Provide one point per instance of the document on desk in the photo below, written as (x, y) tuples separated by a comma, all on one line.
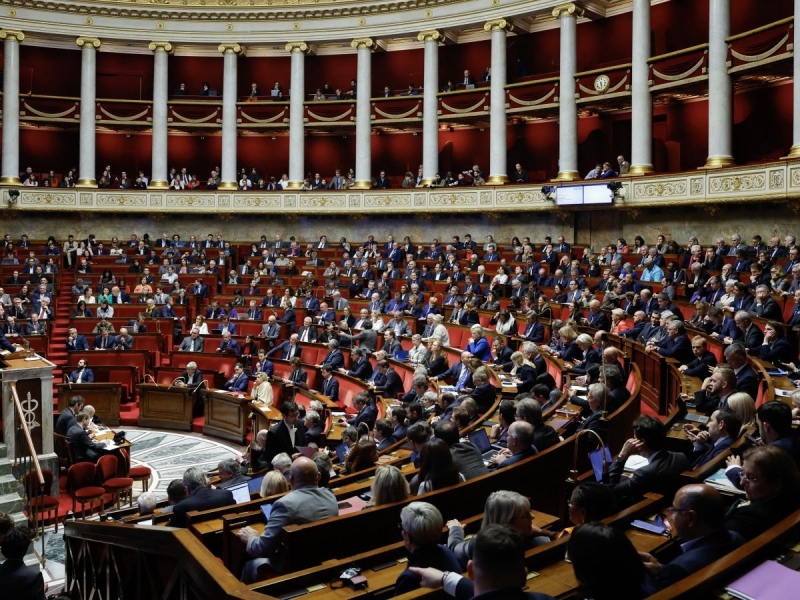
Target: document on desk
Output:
[(634, 463), (720, 481), (768, 581)]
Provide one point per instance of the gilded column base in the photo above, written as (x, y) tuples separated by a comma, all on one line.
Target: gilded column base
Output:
[(10, 181), (158, 185), (718, 162), (86, 183), (362, 185), (639, 170), (227, 185), (794, 154), (294, 185), (567, 176), (497, 180), (426, 182)]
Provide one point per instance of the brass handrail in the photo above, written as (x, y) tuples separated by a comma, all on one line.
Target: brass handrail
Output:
[(766, 27), (680, 52), (24, 426)]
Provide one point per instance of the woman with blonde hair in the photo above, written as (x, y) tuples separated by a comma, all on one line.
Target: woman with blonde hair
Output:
[(200, 323), (262, 390), (418, 350), (389, 486), (435, 359), (744, 407), (523, 372), (618, 322), (274, 483)]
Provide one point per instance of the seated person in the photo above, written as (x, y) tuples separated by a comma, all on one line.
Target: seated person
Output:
[(238, 381), (228, 345), (230, 474), (721, 431), (19, 580), (199, 497), (520, 446), (83, 448)]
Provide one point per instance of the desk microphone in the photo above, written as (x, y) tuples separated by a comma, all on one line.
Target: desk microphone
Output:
[(146, 375), (67, 381), (202, 383), (174, 381)]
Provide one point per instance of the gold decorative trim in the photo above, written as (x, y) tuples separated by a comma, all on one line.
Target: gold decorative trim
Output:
[(228, 185), (196, 121), (12, 34), (567, 176), (331, 119), (160, 47), (88, 42), (570, 9), (231, 49), (298, 47), (610, 90), (10, 180), (158, 185), (718, 162), (680, 76), (763, 55), (498, 25), (766, 27), (86, 183), (497, 180), (50, 115), (263, 121), (481, 102), (362, 185), (430, 35), (640, 170), (794, 153), (360, 43), (681, 52), (400, 116), (124, 119)]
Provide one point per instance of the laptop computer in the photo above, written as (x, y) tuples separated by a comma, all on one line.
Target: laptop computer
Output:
[(685, 415), (274, 93), (401, 355), (481, 442), (241, 492)]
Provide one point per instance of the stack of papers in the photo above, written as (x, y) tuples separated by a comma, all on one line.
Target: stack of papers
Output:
[(768, 581), (635, 462), (722, 483)]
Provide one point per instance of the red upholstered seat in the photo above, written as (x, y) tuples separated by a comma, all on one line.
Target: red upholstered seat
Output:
[(136, 472), (142, 474), (39, 501), (43, 502), (118, 483), (118, 486), (92, 492), (80, 481)]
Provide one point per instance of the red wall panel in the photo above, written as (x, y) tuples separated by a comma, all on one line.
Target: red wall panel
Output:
[(44, 150), (539, 54), (127, 76), (762, 128), (51, 72), (269, 157), (129, 153), (335, 70), (193, 71), (265, 71), (396, 153), (454, 59), (604, 42), (397, 70)]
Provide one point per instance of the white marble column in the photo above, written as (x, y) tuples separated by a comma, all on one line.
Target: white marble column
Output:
[(567, 107), (86, 158), (365, 46), (430, 106), (498, 126), (297, 96), (158, 174), (720, 89), (10, 163), (795, 151), (230, 56), (641, 102)]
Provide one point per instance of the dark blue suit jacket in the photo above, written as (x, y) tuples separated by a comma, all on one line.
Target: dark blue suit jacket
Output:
[(237, 385), (335, 359), (598, 320), (202, 499), (80, 343), (362, 369), (747, 381), (88, 376), (330, 388), (679, 348)]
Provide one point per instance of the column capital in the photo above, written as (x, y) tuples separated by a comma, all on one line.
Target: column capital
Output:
[(88, 42), (11, 34), (431, 35), (301, 47), (160, 47), (360, 43), (570, 9), (229, 48), (498, 25)]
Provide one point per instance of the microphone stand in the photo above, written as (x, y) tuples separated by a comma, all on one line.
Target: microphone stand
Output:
[(573, 473), (174, 381), (146, 375)]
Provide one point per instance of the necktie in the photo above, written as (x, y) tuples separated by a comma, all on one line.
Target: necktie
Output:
[(104, 342), (305, 335), (462, 378)]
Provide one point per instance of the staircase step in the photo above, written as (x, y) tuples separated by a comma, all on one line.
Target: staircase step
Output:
[(8, 483)]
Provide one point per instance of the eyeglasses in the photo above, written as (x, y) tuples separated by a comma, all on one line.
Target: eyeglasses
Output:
[(745, 477)]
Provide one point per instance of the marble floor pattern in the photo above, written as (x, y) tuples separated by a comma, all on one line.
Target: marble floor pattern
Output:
[(168, 454)]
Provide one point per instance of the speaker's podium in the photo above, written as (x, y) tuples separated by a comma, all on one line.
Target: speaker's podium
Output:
[(226, 415), (32, 379), (104, 397), (165, 407)]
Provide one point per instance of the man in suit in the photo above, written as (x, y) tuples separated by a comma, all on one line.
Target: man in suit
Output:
[(721, 431), (698, 519), (123, 341), (199, 497), (534, 331), (462, 377), (19, 580), (75, 341), (191, 376), (228, 345), (288, 349), (398, 325), (662, 472), (330, 385), (334, 359), (325, 314), (67, 417), (746, 378), (287, 435), (484, 392), (367, 412), (750, 335), (362, 368), (308, 332), (253, 312), (716, 390), (382, 432), (392, 384), (676, 345), (230, 474), (10, 328), (466, 456), (193, 343), (104, 341), (501, 354), (83, 374), (306, 503), (597, 318), (519, 446), (764, 306), (296, 375), (390, 345), (83, 448), (704, 360), (35, 326), (310, 303), (119, 296), (238, 381)]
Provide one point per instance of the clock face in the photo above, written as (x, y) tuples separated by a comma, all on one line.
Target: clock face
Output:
[(601, 83)]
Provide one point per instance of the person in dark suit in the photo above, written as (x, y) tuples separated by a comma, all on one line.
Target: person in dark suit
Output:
[(500, 352), (362, 368), (466, 456), (596, 319), (662, 472), (19, 580), (462, 377), (398, 421), (520, 446), (67, 417), (382, 432), (722, 430), (330, 385), (228, 344), (698, 520), (484, 393), (238, 381), (676, 345), (704, 360), (775, 349), (748, 333), (764, 306), (597, 397), (392, 383), (83, 374), (200, 497), (83, 448), (286, 435), (123, 341), (367, 412), (334, 359), (313, 424), (746, 378), (297, 375), (288, 349), (76, 341)]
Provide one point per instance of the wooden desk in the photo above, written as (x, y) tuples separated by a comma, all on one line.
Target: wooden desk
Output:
[(165, 407), (104, 397), (123, 465), (226, 415), (266, 416)]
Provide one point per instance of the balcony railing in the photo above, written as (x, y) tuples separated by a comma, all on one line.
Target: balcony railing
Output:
[(761, 46), (604, 84), (682, 67)]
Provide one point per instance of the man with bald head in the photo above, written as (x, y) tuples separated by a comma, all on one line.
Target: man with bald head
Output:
[(698, 519), (306, 503)]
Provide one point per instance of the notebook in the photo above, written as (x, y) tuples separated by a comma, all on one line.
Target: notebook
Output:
[(768, 581), (596, 458), (240, 492), (720, 481), (342, 451), (350, 505), (254, 485)]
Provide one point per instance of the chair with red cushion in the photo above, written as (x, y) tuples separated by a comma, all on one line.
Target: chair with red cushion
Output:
[(117, 486), (80, 479), (39, 501), (142, 474)]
